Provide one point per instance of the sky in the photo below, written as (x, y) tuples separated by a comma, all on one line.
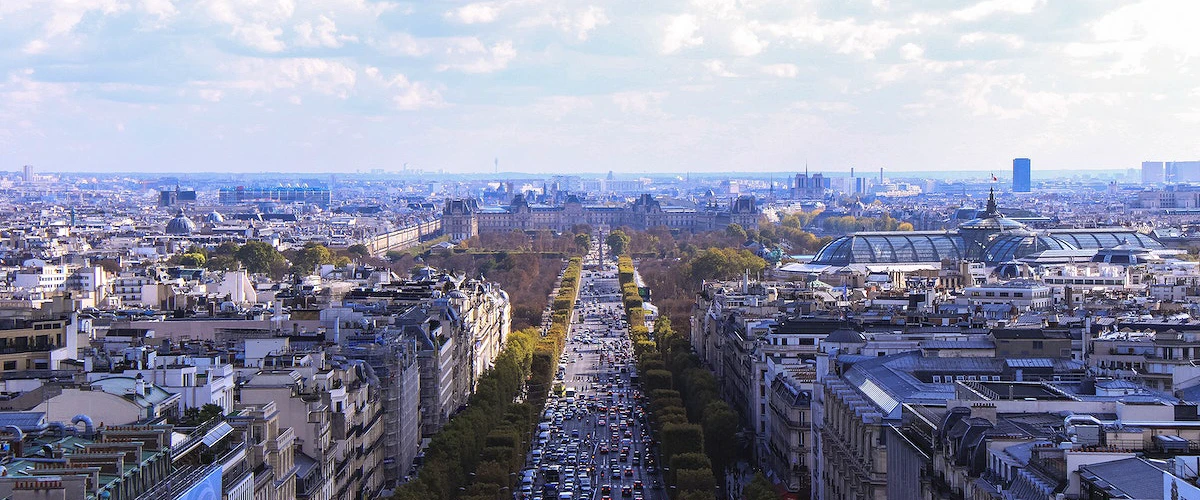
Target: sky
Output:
[(566, 86)]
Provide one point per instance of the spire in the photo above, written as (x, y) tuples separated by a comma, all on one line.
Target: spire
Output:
[(991, 205)]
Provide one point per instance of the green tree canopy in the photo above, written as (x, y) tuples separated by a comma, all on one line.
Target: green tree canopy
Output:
[(192, 260), (359, 251), (617, 242), (735, 230), (312, 255), (260, 257), (583, 242), (724, 263)]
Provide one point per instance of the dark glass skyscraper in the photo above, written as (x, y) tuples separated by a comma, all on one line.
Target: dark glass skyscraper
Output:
[(1021, 175)]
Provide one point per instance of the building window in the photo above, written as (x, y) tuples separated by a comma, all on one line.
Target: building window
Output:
[(10, 365)]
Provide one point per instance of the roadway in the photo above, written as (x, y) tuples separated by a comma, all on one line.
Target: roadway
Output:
[(587, 433)]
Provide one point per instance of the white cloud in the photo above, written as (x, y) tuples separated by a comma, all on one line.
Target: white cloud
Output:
[(403, 44), (976, 38), (680, 33), (639, 102), (323, 33), (845, 36), (322, 76), (717, 68), (472, 56), (210, 95), (911, 51), (475, 13), (745, 42), (783, 70), (259, 37), (403, 94), (580, 24), (989, 8), (161, 11)]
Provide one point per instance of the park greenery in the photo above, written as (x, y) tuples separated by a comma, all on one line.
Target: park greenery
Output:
[(524, 270)]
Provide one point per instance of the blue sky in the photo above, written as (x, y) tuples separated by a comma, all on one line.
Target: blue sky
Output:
[(571, 86)]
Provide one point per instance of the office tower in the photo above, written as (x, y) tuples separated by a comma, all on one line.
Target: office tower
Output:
[(28, 173), (1021, 175), (1152, 173)]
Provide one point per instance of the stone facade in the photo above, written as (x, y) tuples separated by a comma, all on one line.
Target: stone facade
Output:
[(464, 218)]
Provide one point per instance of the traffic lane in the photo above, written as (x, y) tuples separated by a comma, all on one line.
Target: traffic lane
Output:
[(589, 355)]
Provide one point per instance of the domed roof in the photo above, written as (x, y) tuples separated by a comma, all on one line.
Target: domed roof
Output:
[(845, 335), (215, 217), (180, 225), (991, 219)]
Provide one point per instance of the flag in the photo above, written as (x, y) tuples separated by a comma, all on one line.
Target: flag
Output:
[(994, 179)]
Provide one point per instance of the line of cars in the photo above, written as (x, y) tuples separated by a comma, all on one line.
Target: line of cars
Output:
[(593, 441)]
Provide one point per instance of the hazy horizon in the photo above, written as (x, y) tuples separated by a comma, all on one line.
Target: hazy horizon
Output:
[(700, 86)]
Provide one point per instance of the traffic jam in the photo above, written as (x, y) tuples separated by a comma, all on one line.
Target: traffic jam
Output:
[(593, 440)]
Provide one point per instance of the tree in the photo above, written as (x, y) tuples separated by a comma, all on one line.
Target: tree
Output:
[(195, 416), (223, 258), (260, 257), (656, 379), (583, 242), (735, 230), (617, 242), (760, 489), (681, 438), (312, 255), (720, 426), (192, 260), (112, 266), (359, 251)]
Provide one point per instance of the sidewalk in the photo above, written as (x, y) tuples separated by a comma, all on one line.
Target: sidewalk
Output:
[(737, 478)]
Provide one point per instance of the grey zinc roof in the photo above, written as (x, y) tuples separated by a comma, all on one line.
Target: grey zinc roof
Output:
[(1134, 477)]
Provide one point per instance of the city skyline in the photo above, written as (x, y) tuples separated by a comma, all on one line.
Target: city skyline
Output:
[(702, 86)]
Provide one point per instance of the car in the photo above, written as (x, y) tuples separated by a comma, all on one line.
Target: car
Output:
[(606, 490), (629, 472), (626, 492), (637, 485)]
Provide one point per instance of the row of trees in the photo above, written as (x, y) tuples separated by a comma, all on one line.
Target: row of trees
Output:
[(475, 455), (696, 429), (261, 257), (850, 223)]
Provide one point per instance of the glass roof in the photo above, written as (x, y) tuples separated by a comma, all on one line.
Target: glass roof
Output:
[(900, 247), (1012, 247), (891, 248), (1106, 238)]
